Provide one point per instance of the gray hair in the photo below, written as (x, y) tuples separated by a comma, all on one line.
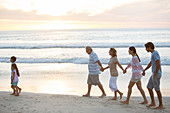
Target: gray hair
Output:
[(88, 48)]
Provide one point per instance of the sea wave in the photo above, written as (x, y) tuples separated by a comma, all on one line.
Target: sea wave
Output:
[(78, 60), (75, 45)]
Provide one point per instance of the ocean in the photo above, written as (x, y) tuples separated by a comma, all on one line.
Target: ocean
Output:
[(47, 55)]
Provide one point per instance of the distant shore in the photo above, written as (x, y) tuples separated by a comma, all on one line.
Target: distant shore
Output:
[(53, 103)]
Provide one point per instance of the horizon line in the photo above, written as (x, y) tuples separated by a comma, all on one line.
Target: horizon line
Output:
[(86, 29)]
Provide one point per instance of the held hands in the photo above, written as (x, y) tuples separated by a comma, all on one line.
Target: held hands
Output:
[(143, 73), (124, 71), (102, 69)]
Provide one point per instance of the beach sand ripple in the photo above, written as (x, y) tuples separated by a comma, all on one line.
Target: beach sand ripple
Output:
[(51, 103)]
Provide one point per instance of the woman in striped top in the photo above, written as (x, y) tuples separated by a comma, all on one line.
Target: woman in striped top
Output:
[(136, 75)]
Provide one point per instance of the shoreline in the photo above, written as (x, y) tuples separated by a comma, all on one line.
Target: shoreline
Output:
[(50, 103), (71, 79), (93, 95)]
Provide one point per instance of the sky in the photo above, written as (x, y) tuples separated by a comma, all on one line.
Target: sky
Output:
[(83, 14)]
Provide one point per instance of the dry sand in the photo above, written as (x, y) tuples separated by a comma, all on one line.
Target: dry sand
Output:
[(53, 103)]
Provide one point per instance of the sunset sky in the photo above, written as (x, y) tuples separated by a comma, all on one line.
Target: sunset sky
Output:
[(83, 14)]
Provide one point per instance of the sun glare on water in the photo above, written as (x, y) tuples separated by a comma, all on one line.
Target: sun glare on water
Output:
[(54, 87)]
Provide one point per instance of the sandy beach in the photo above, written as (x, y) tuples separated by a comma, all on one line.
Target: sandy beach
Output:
[(53, 103), (54, 68)]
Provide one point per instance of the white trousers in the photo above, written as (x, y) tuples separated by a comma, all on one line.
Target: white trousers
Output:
[(113, 83)]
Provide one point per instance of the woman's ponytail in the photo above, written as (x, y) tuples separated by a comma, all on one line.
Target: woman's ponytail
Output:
[(132, 48), (138, 57)]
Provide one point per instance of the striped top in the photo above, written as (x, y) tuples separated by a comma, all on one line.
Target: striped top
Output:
[(93, 66), (136, 67)]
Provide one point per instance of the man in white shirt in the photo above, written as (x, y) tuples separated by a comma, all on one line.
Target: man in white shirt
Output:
[(94, 67)]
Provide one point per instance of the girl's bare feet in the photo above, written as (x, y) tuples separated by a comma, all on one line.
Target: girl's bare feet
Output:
[(19, 90), (151, 105), (12, 94), (121, 94), (144, 102), (103, 95), (86, 95), (114, 98), (124, 102), (159, 107), (17, 95)]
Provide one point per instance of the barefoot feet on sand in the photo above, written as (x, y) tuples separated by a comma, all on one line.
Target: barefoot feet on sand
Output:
[(151, 105), (19, 90), (17, 95), (12, 94), (121, 94), (144, 102), (159, 107), (114, 98), (103, 95), (86, 95), (124, 102)]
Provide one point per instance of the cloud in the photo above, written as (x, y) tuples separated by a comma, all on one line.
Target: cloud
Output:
[(153, 10), (150, 11), (21, 15), (61, 7), (147, 13)]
